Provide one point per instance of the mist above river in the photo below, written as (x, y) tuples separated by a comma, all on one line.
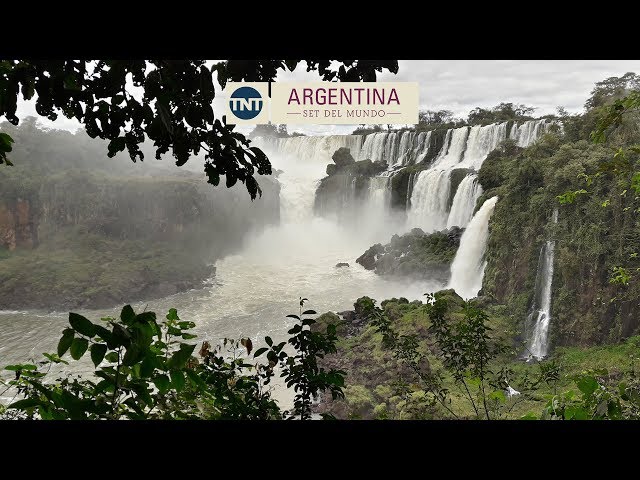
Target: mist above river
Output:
[(252, 291)]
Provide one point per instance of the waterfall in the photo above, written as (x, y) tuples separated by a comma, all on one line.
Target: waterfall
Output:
[(540, 313), (429, 200), (467, 269), (379, 193), (412, 178), (451, 154), (303, 161), (422, 147), (429, 191), (373, 147), (464, 201), (405, 148), (390, 148), (482, 140), (396, 149), (464, 147), (527, 133)]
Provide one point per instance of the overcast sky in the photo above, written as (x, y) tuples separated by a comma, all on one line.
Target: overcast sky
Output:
[(461, 85)]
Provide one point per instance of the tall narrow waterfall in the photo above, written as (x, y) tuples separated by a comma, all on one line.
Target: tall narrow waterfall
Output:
[(429, 200), (467, 269), (379, 193), (539, 316), (464, 201), (451, 153), (482, 140)]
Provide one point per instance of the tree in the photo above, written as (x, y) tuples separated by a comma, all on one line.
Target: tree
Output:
[(500, 113), (432, 117), (282, 130), (175, 112), (612, 88)]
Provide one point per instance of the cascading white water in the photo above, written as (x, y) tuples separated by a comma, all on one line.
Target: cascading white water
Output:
[(467, 269), (540, 314), (464, 201), (373, 147), (422, 147), (430, 199), (527, 133), (396, 149), (482, 140), (379, 196), (303, 161), (453, 154), (465, 147), (412, 179), (391, 148)]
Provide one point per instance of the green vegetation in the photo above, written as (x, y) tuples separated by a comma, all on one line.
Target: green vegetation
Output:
[(594, 300), (431, 361), (414, 254), (76, 268), (145, 369), (78, 229)]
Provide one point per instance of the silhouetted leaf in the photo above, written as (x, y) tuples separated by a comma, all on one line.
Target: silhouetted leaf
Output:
[(162, 383), (127, 315), (111, 357), (177, 380), (98, 351), (82, 325), (78, 347), (181, 356), (26, 403), (146, 317), (65, 341), (259, 352)]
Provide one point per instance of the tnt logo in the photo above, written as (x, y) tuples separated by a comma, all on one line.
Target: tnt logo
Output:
[(246, 103)]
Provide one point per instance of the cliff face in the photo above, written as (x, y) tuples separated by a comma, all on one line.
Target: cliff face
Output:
[(133, 208), (594, 235), (93, 242), (80, 230), (18, 225)]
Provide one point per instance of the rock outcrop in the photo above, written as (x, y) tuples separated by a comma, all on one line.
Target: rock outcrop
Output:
[(18, 225), (346, 182), (415, 254)]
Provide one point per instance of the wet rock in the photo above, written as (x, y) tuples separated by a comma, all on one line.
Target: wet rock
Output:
[(454, 234), (368, 259), (414, 255), (342, 264), (342, 157)]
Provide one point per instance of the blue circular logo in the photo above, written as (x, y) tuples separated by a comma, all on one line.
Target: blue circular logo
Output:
[(246, 103)]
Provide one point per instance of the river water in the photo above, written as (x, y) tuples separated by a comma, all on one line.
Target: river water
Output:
[(252, 291)]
